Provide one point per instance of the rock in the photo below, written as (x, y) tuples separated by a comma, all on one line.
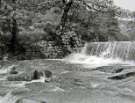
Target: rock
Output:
[(48, 75), (29, 101), (20, 77), (36, 75), (122, 76), (110, 69), (13, 71), (106, 69), (118, 70)]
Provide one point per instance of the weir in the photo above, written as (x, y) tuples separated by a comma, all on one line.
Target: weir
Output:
[(124, 50), (96, 54)]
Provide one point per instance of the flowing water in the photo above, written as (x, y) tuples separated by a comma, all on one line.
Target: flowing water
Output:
[(102, 72), (98, 54)]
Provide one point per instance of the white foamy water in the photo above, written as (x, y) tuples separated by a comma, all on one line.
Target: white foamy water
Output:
[(103, 54), (6, 70), (3, 71), (14, 95), (94, 55), (23, 83), (9, 98), (95, 61)]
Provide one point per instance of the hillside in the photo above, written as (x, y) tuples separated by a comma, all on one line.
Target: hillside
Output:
[(52, 29)]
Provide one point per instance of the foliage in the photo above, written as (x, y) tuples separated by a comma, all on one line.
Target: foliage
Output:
[(61, 26)]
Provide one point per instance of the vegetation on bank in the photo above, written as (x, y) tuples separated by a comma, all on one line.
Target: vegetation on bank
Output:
[(54, 28)]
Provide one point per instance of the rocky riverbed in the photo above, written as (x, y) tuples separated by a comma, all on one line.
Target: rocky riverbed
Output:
[(70, 83)]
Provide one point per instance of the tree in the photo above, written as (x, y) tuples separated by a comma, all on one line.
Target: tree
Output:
[(14, 32), (13, 28), (67, 6), (0, 3), (9, 26), (63, 24)]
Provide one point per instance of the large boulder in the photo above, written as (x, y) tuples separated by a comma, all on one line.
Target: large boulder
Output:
[(111, 69), (25, 76), (13, 71), (47, 75), (29, 76), (36, 75)]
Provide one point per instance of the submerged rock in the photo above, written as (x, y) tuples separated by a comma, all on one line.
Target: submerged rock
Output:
[(34, 75), (122, 76), (110, 69), (29, 101), (118, 70)]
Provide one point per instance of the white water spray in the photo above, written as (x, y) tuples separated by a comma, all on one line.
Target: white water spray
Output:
[(98, 54), (9, 98), (6, 70)]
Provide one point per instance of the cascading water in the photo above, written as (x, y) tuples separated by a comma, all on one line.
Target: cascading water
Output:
[(97, 54), (122, 50)]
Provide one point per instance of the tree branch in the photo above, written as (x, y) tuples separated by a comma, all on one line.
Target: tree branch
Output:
[(65, 14), (96, 4)]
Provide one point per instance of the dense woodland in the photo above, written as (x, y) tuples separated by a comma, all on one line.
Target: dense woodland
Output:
[(32, 29)]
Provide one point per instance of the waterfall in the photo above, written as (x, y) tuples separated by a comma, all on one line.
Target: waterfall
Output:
[(124, 50), (97, 54)]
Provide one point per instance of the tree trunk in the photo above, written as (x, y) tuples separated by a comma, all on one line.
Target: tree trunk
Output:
[(0, 3), (14, 31), (65, 14), (67, 6)]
